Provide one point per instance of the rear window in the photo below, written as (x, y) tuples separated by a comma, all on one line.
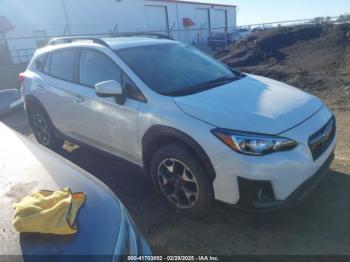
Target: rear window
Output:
[(39, 62), (46, 67), (63, 64)]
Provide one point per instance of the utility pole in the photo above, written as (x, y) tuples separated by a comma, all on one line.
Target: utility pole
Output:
[(66, 17)]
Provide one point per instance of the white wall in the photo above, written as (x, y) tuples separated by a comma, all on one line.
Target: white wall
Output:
[(99, 17), (27, 16), (93, 17), (177, 11)]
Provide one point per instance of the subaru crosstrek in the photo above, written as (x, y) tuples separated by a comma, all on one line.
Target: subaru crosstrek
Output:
[(200, 129)]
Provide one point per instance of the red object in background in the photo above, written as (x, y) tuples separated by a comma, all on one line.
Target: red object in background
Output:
[(5, 24), (187, 21), (21, 78)]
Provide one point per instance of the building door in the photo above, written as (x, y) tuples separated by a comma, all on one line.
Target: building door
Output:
[(202, 21), (157, 19), (219, 20)]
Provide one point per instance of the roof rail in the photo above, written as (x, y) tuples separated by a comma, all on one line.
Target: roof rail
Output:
[(71, 39), (145, 34), (64, 40)]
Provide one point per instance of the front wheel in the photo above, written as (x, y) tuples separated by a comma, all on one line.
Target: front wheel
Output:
[(181, 180)]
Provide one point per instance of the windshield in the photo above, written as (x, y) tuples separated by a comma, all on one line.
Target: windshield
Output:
[(176, 69)]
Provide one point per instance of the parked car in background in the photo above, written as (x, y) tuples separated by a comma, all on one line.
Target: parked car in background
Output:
[(200, 129), (219, 41), (244, 32), (261, 28), (104, 225), (223, 39)]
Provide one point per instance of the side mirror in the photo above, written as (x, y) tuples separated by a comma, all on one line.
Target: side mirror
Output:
[(110, 88)]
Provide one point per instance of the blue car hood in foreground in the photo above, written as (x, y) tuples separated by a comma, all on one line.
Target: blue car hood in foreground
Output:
[(105, 227)]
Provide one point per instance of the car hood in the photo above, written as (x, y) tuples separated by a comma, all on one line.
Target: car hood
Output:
[(104, 225), (251, 104)]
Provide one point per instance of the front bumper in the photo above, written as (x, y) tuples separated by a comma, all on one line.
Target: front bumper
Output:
[(284, 172), (249, 191)]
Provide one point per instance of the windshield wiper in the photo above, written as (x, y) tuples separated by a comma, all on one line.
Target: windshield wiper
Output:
[(204, 86)]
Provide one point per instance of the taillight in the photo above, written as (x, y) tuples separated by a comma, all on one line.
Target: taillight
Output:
[(21, 78)]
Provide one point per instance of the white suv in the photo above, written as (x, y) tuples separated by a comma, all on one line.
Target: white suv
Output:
[(202, 131)]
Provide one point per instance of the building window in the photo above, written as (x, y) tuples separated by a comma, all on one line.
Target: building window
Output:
[(40, 38)]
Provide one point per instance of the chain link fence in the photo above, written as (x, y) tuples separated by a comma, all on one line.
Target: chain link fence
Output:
[(10, 53)]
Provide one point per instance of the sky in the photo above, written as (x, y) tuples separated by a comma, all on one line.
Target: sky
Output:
[(262, 11)]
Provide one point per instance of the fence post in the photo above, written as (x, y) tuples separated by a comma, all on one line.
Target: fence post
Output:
[(6, 52), (67, 18)]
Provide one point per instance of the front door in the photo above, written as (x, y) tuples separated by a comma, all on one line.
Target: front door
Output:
[(101, 121)]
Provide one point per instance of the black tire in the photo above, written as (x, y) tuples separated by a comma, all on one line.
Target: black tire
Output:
[(44, 133), (200, 200)]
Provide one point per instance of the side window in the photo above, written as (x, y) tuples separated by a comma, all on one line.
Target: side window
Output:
[(63, 64), (96, 67), (131, 91), (46, 67), (39, 62)]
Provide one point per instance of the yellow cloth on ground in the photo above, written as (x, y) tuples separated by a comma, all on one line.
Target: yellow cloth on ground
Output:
[(53, 212)]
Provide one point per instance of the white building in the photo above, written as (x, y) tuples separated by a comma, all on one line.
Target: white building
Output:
[(35, 21)]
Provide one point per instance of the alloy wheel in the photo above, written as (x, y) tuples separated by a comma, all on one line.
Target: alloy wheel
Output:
[(41, 129), (178, 183)]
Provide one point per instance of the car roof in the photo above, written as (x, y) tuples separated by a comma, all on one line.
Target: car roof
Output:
[(126, 42), (115, 43)]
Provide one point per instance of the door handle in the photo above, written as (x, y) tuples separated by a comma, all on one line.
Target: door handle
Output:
[(79, 99)]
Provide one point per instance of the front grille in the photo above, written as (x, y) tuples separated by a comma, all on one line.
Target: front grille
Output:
[(320, 141)]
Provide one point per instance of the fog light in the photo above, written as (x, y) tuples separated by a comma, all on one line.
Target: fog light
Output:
[(264, 192), (255, 194)]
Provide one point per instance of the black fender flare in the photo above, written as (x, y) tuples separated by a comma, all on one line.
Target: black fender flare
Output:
[(159, 135), (31, 101)]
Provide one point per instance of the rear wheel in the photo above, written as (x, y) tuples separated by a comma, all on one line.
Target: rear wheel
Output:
[(43, 130), (181, 180)]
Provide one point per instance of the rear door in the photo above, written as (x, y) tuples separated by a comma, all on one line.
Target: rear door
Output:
[(101, 121), (53, 88)]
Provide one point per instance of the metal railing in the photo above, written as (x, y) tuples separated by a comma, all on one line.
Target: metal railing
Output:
[(16, 56), (23, 55), (316, 20)]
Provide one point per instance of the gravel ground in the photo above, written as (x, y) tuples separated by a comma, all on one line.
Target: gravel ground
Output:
[(314, 58), (318, 225)]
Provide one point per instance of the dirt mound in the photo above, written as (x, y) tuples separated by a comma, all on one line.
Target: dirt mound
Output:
[(315, 58)]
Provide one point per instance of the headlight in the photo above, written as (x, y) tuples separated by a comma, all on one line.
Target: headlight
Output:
[(253, 144)]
